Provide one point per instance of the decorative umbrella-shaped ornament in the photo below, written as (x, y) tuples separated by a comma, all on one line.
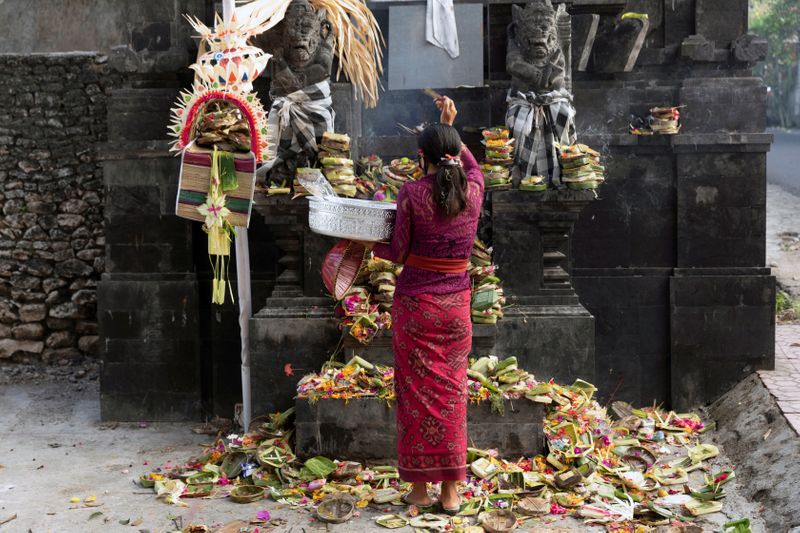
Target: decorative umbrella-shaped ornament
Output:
[(220, 112), (230, 63)]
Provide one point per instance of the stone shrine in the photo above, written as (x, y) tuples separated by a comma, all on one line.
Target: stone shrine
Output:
[(631, 300)]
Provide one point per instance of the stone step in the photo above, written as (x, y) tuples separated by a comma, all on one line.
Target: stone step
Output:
[(363, 429), (555, 274), (553, 257)]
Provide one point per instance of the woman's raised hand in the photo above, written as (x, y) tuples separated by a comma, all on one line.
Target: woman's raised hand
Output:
[(448, 109)]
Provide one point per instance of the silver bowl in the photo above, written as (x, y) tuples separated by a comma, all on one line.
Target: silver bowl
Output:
[(357, 220)]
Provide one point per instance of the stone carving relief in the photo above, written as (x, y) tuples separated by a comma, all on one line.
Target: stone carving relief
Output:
[(535, 58), (302, 48)]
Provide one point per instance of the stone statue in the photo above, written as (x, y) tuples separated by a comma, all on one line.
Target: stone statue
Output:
[(535, 59), (540, 114), (303, 54), (299, 72)]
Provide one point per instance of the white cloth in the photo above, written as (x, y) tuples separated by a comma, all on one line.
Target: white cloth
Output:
[(440, 26)]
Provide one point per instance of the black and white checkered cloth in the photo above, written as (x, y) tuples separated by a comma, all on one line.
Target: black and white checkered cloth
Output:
[(296, 121), (538, 122)]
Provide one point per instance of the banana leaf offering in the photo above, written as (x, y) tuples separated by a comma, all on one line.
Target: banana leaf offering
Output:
[(198, 490), (593, 468), (247, 493), (316, 468), (488, 298), (273, 455), (391, 521), (232, 464)]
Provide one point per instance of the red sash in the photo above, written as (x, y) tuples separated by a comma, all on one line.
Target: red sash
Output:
[(438, 264)]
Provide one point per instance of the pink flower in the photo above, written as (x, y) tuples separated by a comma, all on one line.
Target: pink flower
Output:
[(223, 481), (264, 515)]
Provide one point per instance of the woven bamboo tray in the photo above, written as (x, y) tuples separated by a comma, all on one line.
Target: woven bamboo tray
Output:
[(194, 181)]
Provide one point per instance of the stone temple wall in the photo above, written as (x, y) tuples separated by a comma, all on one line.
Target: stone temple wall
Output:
[(669, 260), (52, 235)]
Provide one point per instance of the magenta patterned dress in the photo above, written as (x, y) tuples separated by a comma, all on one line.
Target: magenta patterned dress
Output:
[(432, 330)]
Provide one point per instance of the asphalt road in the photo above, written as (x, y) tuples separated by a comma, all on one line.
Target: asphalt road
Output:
[(783, 160)]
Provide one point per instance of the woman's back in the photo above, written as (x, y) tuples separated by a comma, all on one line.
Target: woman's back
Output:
[(423, 229)]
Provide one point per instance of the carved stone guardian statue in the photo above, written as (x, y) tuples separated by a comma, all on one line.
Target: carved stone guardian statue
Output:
[(300, 69), (540, 113)]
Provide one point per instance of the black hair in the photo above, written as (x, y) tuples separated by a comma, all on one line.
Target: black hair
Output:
[(450, 184)]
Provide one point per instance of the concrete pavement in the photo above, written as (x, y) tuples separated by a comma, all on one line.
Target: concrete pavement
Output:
[(783, 160), (783, 210)]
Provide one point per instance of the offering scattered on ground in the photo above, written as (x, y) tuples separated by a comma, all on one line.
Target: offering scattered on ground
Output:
[(632, 472)]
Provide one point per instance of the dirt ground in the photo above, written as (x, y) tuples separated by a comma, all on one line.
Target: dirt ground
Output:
[(53, 448)]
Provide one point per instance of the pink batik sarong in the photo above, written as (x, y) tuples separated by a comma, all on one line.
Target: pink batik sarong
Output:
[(432, 338)]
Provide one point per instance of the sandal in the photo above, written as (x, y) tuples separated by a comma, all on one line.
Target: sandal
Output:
[(452, 511), (406, 501)]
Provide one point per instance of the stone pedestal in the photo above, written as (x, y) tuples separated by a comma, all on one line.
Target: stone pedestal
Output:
[(364, 429), (545, 325)]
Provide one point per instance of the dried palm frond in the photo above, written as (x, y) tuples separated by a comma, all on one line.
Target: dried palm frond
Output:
[(261, 15)]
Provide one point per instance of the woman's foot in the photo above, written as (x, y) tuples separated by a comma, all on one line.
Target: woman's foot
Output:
[(418, 495), (449, 498)]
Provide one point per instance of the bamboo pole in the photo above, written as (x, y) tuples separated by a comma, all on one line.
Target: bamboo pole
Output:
[(242, 285)]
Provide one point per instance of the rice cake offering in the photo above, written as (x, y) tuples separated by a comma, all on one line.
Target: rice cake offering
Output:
[(581, 168)]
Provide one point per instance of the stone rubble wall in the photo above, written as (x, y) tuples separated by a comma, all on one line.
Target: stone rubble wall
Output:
[(51, 232)]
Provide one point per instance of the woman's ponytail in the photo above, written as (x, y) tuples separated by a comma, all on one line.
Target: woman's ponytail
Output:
[(441, 145), (450, 189)]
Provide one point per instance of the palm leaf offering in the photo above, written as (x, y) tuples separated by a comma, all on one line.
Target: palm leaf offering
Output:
[(232, 464), (391, 521), (594, 468), (487, 294), (317, 468), (247, 493)]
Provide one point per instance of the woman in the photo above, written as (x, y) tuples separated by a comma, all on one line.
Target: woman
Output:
[(437, 218)]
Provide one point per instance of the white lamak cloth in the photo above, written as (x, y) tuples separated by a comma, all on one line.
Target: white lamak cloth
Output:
[(440, 26)]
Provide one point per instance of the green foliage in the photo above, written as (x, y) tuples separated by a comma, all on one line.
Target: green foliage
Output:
[(787, 309), (779, 22)]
